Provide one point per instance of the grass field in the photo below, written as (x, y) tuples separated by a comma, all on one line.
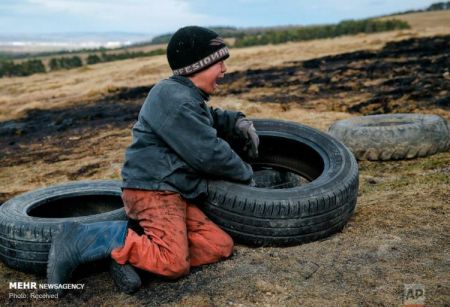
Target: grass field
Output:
[(399, 233)]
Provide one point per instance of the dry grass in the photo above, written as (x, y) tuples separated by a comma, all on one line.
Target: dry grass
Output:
[(399, 233), (83, 85), (426, 22)]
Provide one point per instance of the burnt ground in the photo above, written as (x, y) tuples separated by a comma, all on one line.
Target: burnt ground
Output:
[(398, 234), (409, 75), (404, 76)]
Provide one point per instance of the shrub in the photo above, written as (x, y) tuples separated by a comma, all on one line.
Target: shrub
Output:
[(65, 63), (345, 27), (108, 57), (93, 59), (25, 68)]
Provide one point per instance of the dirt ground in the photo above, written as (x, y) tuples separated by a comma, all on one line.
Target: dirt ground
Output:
[(399, 233)]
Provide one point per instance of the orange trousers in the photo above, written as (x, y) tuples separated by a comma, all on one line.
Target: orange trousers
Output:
[(177, 234)]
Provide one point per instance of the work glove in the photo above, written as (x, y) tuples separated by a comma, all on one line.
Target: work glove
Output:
[(252, 182), (247, 129)]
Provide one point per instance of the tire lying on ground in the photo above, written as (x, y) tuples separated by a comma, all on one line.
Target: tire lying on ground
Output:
[(393, 136), (319, 204), (307, 184), (276, 179), (28, 221)]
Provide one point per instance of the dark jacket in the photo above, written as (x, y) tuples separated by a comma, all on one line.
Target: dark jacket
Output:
[(175, 143)]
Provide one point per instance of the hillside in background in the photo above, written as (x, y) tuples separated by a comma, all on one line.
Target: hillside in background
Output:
[(25, 64), (256, 33), (92, 81), (34, 45), (35, 65), (438, 6), (75, 124)]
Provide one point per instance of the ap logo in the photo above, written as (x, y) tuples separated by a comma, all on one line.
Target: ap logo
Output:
[(414, 295)]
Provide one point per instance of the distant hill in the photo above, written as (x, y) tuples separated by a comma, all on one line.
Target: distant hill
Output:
[(238, 33), (9, 68), (224, 31), (47, 42), (23, 64), (20, 47), (439, 6)]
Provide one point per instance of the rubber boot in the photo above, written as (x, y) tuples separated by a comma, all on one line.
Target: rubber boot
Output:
[(125, 277), (79, 243)]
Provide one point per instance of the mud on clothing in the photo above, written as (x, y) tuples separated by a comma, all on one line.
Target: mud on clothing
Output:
[(175, 143), (177, 235)]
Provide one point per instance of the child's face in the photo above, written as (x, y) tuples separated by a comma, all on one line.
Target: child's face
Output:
[(207, 79)]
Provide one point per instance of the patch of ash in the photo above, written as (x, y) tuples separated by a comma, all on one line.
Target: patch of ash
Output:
[(58, 130), (403, 76)]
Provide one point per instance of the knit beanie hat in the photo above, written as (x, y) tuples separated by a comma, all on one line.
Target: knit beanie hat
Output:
[(193, 48)]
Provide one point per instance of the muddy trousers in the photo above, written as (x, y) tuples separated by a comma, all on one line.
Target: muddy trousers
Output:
[(177, 235)]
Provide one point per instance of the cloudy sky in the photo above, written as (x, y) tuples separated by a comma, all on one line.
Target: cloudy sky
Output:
[(156, 17)]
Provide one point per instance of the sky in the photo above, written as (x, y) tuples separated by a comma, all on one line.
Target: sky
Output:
[(165, 16)]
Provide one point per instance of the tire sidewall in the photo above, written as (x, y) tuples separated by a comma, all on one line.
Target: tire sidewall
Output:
[(18, 207), (337, 158)]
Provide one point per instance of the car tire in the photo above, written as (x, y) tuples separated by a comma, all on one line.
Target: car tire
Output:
[(29, 221), (305, 212), (393, 136)]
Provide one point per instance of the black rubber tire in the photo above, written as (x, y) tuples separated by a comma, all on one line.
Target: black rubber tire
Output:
[(29, 221), (277, 217), (273, 179), (258, 216), (393, 136)]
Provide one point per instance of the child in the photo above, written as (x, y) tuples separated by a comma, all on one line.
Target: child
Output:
[(177, 146)]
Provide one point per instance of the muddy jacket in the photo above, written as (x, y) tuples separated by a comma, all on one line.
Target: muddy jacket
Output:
[(175, 145)]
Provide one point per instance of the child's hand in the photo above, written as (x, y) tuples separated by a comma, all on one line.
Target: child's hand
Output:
[(247, 129), (251, 183)]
